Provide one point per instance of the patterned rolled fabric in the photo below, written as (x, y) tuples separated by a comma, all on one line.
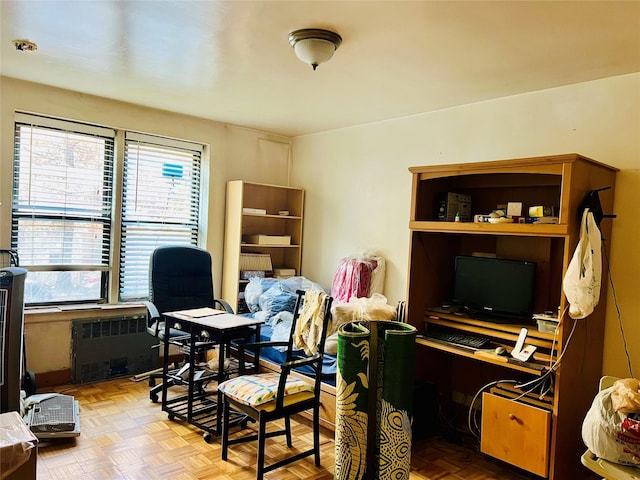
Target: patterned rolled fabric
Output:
[(374, 404)]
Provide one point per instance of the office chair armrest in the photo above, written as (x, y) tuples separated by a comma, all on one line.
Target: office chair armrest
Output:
[(223, 304), (153, 320), (151, 308)]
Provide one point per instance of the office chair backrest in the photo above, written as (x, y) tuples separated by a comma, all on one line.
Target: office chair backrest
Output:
[(180, 278)]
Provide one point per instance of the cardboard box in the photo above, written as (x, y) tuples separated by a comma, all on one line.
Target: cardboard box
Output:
[(255, 261), (449, 204), (284, 272), (18, 448), (541, 211), (254, 211), (268, 239)]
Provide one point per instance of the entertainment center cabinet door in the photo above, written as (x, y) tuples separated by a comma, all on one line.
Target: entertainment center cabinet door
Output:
[(516, 433)]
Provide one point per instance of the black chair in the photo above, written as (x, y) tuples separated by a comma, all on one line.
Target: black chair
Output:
[(180, 278), (401, 311), (271, 396)]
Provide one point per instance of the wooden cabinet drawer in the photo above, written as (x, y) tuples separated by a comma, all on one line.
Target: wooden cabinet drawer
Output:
[(516, 433)]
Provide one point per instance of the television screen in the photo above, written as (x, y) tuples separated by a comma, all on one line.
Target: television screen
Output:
[(495, 287)]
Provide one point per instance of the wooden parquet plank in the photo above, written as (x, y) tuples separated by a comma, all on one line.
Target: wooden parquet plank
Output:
[(124, 436)]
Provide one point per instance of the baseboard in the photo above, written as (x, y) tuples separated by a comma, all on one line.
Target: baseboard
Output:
[(52, 379), (45, 380)]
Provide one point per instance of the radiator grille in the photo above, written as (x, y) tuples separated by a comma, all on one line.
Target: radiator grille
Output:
[(108, 347)]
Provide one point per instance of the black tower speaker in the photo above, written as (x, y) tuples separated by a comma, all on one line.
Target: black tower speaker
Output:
[(11, 335)]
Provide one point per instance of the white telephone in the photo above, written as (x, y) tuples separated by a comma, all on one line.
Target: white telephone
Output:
[(521, 351)]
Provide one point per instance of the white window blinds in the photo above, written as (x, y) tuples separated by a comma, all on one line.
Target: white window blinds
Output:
[(61, 207), (160, 204)]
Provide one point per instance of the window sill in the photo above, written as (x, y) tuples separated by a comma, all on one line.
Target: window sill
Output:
[(73, 312)]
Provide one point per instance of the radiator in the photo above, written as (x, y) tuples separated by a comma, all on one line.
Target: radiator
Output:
[(107, 347)]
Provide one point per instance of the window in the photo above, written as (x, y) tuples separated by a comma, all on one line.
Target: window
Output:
[(63, 218), (61, 210), (160, 204)]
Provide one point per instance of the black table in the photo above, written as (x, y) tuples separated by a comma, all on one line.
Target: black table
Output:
[(198, 406)]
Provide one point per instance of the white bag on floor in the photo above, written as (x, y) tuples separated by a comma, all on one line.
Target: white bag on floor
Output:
[(581, 283), (611, 435)]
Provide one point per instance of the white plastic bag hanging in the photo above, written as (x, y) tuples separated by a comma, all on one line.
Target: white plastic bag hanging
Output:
[(581, 283)]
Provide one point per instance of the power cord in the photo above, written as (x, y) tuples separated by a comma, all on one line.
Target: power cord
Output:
[(543, 384), (619, 315)]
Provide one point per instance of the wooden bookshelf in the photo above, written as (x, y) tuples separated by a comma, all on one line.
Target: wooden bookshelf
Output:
[(283, 209)]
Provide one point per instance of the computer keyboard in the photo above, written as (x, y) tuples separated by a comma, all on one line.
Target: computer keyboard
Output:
[(447, 335)]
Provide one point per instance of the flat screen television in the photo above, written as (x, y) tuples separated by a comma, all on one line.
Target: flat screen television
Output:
[(494, 288)]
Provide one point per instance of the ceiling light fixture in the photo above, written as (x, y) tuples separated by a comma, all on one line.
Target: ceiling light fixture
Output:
[(25, 46), (313, 45)]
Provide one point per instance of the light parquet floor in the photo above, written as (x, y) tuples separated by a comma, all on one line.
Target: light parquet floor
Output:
[(124, 436)]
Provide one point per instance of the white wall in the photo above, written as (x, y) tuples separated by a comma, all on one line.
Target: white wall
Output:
[(232, 153), (358, 186)]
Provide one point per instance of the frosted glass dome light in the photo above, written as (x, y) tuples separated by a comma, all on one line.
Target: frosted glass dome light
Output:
[(314, 46)]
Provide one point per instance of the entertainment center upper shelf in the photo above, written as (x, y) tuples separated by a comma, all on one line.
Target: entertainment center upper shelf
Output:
[(539, 181), (550, 230)]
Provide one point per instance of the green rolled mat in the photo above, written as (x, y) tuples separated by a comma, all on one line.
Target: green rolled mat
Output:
[(373, 430), (352, 401), (394, 403)]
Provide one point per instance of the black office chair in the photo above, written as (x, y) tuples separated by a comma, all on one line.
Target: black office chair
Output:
[(180, 278), (271, 396)]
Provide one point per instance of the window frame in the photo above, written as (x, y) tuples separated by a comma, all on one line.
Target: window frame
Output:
[(111, 287), (71, 212), (147, 143)]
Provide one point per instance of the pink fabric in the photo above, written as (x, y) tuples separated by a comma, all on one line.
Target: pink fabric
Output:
[(352, 279)]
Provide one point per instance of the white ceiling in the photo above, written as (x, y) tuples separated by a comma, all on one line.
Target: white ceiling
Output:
[(230, 60)]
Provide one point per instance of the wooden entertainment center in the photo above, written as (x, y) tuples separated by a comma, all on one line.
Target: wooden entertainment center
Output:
[(535, 432)]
